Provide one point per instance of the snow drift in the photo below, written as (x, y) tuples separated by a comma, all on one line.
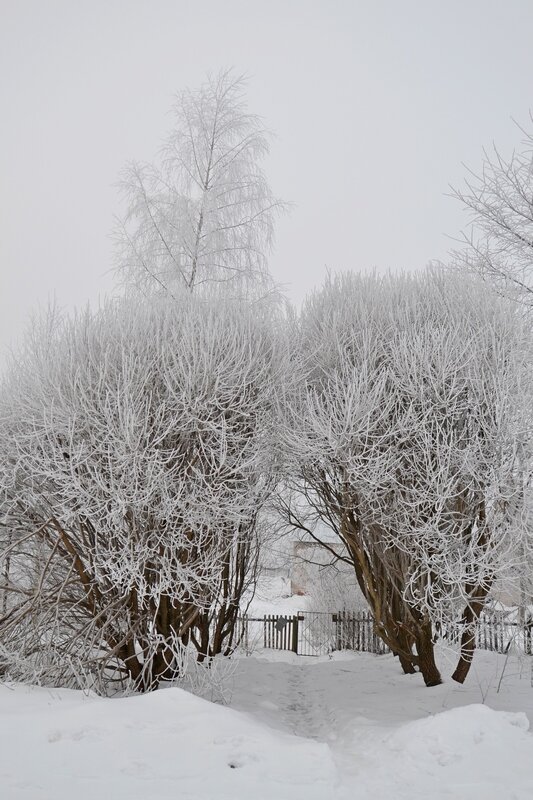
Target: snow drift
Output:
[(172, 744)]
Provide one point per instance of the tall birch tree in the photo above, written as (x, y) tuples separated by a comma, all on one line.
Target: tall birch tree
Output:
[(203, 211)]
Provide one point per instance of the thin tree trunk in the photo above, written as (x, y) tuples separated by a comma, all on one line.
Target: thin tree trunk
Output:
[(426, 655), (406, 663), (468, 640)]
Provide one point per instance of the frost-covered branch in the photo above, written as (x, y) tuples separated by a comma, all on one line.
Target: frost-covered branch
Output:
[(499, 200), (408, 438), (204, 211), (138, 447)]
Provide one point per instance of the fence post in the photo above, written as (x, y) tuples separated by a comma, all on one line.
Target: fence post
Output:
[(245, 634), (294, 646), (527, 635), (336, 619)]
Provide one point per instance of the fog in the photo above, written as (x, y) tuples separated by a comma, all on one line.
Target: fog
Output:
[(375, 107)]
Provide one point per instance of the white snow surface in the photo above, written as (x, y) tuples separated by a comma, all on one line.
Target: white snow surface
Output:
[(296, 728), (272, 596)]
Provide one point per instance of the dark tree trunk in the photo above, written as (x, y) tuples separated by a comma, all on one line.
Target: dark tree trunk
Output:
[(406, 664), (478, 595), (132, 664), (468, 641), (405, 641), (426, 655)]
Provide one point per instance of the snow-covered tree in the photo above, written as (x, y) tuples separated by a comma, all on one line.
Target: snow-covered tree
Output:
[(406, 436), (204, 211), (138, 447), (499, 200)]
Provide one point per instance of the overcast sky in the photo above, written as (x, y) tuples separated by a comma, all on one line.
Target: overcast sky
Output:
[(375, 105)]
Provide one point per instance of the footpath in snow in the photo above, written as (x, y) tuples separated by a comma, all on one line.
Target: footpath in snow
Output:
[(295, 729)]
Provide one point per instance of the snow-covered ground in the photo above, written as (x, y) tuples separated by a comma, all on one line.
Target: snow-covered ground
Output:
[(273, 596), (296, 728)]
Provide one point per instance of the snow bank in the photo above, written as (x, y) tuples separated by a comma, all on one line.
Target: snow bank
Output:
[(465, 753), (342, 729), (390, 736), (169, 744)]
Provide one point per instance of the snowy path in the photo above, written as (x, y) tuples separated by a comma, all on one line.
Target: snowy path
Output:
[(307, 713), (352, 728), (390, 736)]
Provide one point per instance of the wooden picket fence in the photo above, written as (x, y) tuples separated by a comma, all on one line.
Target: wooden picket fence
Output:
[(315, 633), (271, 631), (281, 633), (357, 632), (498, 634), (311, 633)]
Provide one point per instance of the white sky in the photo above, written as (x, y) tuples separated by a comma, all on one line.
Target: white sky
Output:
[(375, 105)]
